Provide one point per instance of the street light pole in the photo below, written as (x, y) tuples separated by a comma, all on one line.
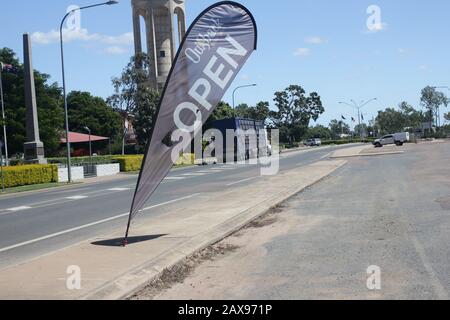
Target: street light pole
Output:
[(66, 113), (3, 115), (240, 87), (90, 143), (1, 160), (359, 107)]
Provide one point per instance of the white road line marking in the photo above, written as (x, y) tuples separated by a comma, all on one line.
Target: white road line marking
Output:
[(193, 174), (240, 181), (175, 178), (326, 156), (76, 197), (19, 208), (119, 189), (91, 224), (170, 202)]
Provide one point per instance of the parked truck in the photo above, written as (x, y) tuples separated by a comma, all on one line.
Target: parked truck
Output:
[(397, 138)]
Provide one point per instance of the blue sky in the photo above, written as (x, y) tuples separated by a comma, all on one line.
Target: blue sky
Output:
[(322, 45)]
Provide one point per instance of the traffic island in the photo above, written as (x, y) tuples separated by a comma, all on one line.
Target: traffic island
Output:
[(366, 151)]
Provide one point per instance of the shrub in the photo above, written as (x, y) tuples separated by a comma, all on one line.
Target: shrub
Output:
[(29, 174), (129, 163), (186, 159), (79, 161), (134, 163)]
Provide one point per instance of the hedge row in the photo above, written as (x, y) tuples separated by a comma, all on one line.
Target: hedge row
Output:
[(134, 163), (129, 163), (186, 159), (29, 174), (79, 161)]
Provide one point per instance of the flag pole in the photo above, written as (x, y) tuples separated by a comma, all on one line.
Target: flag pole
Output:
[(125, 239)]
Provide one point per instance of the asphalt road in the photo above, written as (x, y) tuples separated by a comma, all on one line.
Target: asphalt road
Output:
[(389, 212), (38, 223)]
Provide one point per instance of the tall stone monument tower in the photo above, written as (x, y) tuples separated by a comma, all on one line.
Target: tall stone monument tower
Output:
[(165, 27), (33, 148)]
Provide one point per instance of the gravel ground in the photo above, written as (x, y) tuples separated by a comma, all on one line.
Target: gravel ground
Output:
[(390, 211)]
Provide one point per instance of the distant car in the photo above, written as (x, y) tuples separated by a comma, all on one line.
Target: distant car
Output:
[(313, 143), (397, 138)]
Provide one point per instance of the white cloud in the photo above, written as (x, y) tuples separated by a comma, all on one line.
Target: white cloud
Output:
[(315, 40), (424, 67), (116, 50), (302, 52), (82, 35), (245, 77)]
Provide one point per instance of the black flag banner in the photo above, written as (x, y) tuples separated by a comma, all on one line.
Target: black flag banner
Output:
[(214, 50)]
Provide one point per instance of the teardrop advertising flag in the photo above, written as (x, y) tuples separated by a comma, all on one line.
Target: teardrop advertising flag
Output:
[(213, 51)]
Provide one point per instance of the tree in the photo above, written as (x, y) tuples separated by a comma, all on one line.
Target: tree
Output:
[(129, 87), (361, 130), (414, 118), (406, 118), (145, 116), (86, 110), (391, 121), (49, 106), (338, 128), (295, 111), (432, 100), (319, 131), (133, 96), (259, 112), (447, 116), (243, 111)]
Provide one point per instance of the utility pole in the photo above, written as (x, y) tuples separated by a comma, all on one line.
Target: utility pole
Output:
[(240, 87), (66, 112), (1, 161), (359, 107), (3, 115)]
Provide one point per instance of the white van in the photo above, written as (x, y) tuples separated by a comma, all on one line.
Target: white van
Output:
[(397, 138)]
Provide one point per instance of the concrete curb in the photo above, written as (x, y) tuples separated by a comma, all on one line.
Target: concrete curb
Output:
[(135, 280)]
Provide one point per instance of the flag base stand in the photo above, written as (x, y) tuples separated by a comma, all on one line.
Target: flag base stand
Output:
[(125, 239)]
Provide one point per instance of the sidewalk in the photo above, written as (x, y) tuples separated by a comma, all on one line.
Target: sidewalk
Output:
[(109, 271)]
